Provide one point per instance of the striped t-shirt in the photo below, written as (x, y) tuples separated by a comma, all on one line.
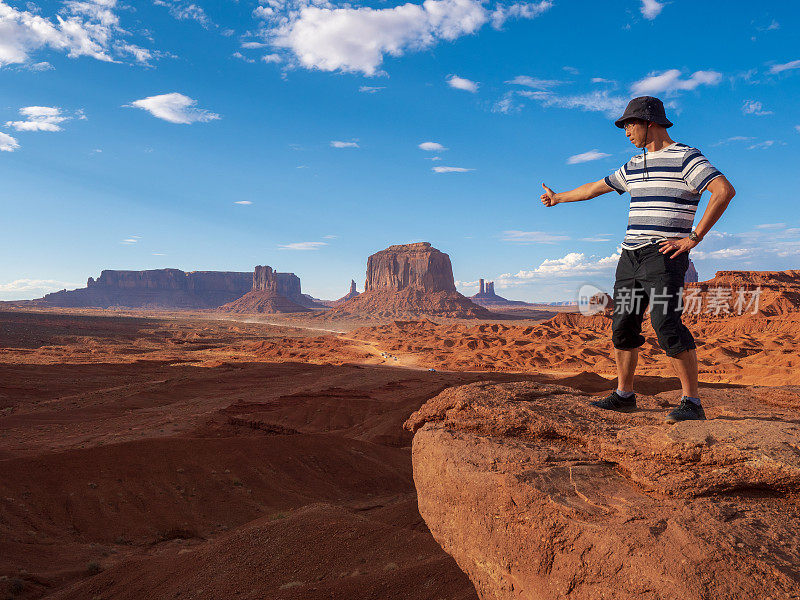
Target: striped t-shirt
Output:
[(665, 190)]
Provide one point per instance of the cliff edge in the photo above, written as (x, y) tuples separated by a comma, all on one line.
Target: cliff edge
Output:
[(538, 496)]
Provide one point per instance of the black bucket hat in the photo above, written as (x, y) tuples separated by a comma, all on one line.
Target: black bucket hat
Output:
[(645, 108)]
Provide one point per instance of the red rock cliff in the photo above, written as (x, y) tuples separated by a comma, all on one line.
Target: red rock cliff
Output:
[(156, 288), (410, 266)]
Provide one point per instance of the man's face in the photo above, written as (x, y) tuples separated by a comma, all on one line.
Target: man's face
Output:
[(636, 131)]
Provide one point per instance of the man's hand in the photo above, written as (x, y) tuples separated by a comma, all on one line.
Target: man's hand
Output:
[(549, 197), (679, 246)]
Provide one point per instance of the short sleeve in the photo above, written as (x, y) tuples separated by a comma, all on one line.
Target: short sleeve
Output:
[(698, 172), (617, 181)]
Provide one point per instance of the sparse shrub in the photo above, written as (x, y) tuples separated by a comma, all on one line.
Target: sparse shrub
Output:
[(93, 568)]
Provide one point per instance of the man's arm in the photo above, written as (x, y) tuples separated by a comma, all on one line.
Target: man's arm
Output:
[(721, 194), (584, 192)]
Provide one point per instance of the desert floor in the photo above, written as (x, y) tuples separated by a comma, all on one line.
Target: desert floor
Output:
[(170, 455)]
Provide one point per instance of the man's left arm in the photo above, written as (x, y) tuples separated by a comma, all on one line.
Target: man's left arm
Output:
[(721, 194)]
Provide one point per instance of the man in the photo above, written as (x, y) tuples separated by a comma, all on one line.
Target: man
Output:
[(665, 183)]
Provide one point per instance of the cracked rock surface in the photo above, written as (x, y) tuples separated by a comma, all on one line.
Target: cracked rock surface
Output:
[(539, 496)]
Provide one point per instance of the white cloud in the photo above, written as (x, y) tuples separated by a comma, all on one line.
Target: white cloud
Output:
[(597, 101), (532, 237), (722, 253), (184, 11), (586, 157), (338, 144), (357, 39), (241, 56), (534, 82), (431, 147), (602, 80), (518, 10), (762, 145), (735, 138), (771, 226), (571, 265), (794, 64), (43, 286), (175, 108), (244, 202), (39, 118), (253, 45), (670, 81), (131, 240), (302, 246), (7, 143), (754, 107), (83, 28), (433, 158), (271, 58), (651, 9), (459, 83), (370, 89), (797, 127), (450, 170)]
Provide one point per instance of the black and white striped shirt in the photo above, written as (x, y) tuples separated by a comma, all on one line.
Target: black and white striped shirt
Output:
[(665, 190)]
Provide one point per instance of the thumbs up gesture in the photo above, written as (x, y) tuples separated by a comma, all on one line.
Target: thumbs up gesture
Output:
[(549, 197)]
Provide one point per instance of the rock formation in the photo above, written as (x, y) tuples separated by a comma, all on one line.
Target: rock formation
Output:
[(764, 293), (418, 266), (353, 293), (272, 292), (157, 288), (409, 280), (691, 273), (487, 297), (538, 496)]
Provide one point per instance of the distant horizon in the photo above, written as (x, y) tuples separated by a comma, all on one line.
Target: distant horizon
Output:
[(308, 136)]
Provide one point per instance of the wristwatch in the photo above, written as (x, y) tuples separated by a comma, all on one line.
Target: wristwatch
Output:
[(694, 237)]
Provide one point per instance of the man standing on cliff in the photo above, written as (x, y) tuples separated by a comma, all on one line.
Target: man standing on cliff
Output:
[(665, 183)]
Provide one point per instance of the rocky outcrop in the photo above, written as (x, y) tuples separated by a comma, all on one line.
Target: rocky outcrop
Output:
[(538, 496), (157, 288), (353, 293), (419, 266), (761, 293), (691, 273), (273, 292), (407, 281), (487, 297)]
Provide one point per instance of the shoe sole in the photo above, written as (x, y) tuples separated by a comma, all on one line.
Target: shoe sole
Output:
[(621, 410)]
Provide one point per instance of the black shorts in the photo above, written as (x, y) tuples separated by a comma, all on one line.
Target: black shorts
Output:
[(648, 277)]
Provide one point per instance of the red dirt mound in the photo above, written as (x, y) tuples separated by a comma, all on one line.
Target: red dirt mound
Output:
[(258, 301)]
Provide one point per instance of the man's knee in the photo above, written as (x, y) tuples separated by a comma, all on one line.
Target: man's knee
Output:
[(673, 336), (626, 332)]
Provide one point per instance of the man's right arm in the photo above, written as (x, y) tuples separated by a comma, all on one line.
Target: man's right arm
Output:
[(585, 192)]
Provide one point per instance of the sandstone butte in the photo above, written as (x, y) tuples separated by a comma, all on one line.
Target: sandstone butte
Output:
[(539, 497), (156, 288), (272, 292), (411, 279)]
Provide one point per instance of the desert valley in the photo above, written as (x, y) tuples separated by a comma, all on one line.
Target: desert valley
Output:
[(222, 435)]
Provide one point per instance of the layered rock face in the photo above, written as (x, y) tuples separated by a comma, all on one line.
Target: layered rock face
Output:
[(418, 266), (410, 280), (157, 288), (537, 496), (272, 292)]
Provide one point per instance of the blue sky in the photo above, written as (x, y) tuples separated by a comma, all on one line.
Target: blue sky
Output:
[(218, 136)]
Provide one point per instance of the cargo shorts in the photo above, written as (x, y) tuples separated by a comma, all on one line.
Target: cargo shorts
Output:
[(647, 277)]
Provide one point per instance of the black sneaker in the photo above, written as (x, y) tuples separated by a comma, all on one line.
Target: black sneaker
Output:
[(616, 402), (687, 411)]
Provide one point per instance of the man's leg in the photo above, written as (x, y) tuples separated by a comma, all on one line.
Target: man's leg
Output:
[(685, 367), (626, 368)]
